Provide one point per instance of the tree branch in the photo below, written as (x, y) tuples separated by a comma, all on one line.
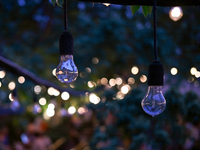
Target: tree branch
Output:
[(17, 69)]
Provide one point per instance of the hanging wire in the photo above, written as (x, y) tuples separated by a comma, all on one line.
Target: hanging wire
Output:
[(155, 30), (65, 15)]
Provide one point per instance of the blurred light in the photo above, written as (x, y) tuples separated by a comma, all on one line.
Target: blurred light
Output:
[(90, 84), (118, 81), (106, 4), (104, 81), (190, 79), (131, 80), (42, 101), (197, 74), (83, 75), (174, 71), (50, 112), (11, 85), (134, 70), (37, 89), (72, 85), (82, 110), (54, 72), (63, 112), (112, 82), (71, 110), (21, 79), (50, 91), (94, 99), (88, 70), (176, 13), (125, 89), (65, 96), (51, 106), (143, 78), (56, 92), (10, 97), (196, 83), (0, 84), (95, 60), (193, 70), (120, 95), (2, 74), (37, 109)]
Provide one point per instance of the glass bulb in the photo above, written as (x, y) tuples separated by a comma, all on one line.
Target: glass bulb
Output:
[(66, 72), (154, 102)]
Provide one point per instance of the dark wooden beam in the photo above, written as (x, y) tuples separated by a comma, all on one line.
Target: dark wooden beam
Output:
[(148, 2)]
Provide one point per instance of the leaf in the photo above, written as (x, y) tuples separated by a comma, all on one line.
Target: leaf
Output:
[(53, 2), (134, 9), (146, 10)]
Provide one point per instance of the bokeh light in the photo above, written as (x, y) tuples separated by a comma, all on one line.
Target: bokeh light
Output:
[(71, 110), (42, 101), (94, 98), (54, 72), (37, 89), (112, 82), (193, 70), (104, 81), (125, 89), (65, 96), (106, 4), (95, 60), (143, 78), (11, 85), (131, 80), (82, 110), (118, 81), (134, 70), (21, 79), (50, 112), (2, 74), (176, 13), (174, 71), (197, 74)]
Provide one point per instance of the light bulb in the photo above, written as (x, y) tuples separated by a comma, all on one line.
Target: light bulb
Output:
[(66, 72), (154, 102), (176, 13)]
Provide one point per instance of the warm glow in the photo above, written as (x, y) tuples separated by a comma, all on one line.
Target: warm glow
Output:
[(104, 81), (131, 80), (42, 101), (197, 74), (174, 71), (51, 106), (193, 70), (95, 60), (106, 4), (112, 82), (88, 70), (90, 84), (125, 89), (50, 112), (0, 84), (176, 13), (54, 72), (11, 97), (94, 99), (82, 110), (118, 81), (21, 79), (134, 70), (2, 74), (120, 95), (37, 89), (143, 78), (65, 96), (71, 110), (11, 85), (50, 91), (56, 92)]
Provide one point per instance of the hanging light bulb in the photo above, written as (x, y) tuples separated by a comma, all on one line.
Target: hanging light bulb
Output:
[(66, 72), (176, 13), (14, 106), (154, 102)]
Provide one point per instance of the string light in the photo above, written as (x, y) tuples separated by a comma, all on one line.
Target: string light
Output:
[(42, 101), (94, 99), (82, 110), (197, 74), (143, 78), (2, 74), (125, 89), (104, 81), (95, 60), (11, 85), (176, 13), (37, 89), (112, 82), (118, 81), (193, 70), (131, 80), (71, 110)]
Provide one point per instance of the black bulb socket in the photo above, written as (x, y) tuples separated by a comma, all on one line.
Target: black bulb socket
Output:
[(155, 74), (66, 44)]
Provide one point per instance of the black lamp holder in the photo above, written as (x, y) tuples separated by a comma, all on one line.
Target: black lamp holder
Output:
[(66, 39), (156, 70)]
